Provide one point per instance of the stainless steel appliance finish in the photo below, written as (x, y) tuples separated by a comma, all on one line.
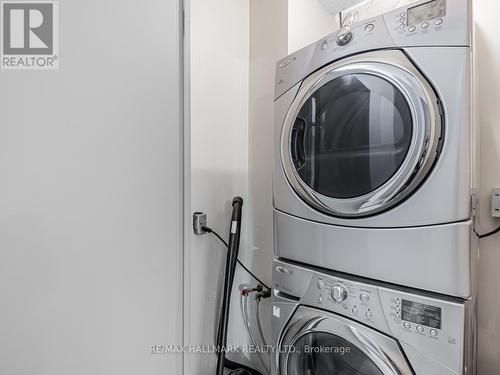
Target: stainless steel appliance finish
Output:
[(389, 330), (375, 150), (422, 150)]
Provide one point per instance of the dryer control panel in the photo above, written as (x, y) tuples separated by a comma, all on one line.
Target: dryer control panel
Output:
[(434, 325), (424, 23)]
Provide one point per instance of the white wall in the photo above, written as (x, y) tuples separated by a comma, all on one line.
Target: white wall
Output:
[(308, 21), (219, 92), (268, 44), (487, 51), (268, 41)]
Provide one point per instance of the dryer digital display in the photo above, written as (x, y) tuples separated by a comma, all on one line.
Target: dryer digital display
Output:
[(426, 12), (419, 313)]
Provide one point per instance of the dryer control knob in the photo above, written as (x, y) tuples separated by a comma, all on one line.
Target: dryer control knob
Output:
[(344, 36), (339, 293)]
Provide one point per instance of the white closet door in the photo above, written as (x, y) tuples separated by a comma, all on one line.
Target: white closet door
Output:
[(91, 196)]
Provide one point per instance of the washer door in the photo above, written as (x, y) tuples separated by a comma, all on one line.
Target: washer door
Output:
[(318, 343), (361, 135)]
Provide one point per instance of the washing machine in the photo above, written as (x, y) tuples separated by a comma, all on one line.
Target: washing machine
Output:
[(375, 150), (331, 323)]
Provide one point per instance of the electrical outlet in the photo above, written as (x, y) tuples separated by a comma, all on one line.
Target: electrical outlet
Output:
[(495, 203), (199, 221)]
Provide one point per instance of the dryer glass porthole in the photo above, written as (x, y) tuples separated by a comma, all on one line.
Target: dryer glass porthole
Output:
[(351, 135), (321, 353), (361, 136)]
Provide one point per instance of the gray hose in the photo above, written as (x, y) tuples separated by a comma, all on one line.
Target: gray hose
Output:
[(248, 325), (259, 326)]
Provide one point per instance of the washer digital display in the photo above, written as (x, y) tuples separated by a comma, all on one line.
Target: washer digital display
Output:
[(419, 313), (425, 12)]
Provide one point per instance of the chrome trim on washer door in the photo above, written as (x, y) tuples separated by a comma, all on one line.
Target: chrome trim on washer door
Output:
[(394, 67), (382, 350)]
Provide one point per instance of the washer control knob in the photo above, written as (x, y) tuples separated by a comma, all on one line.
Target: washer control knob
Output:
[(344, 36), (339, 293), (364, 297)]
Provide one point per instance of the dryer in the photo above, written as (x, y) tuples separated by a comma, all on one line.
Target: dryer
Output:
[(375, 150), (330, 323)]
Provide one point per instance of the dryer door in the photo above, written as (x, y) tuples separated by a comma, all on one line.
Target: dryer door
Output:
[(361, 135), (319, 343)]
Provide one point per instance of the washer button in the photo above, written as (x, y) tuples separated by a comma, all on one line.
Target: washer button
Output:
[(439, 21), (320, 299), (364, 297), (434, 332), (425, 25), (369, 315), (412, 29), (324, 45), (320, 284), (402, 26), (355, 311), (407, 325), (420, 329), (403, 14), (369, 27)]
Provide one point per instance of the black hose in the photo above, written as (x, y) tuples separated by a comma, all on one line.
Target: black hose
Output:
[(494, 231), (231, 259)]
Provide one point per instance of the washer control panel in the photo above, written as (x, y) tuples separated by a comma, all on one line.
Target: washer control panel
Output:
[(432, 324), (347, 297)]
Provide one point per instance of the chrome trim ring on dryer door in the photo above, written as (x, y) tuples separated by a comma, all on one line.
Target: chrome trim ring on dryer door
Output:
[(427, 130)]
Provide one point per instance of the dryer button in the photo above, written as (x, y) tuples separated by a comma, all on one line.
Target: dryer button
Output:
[(434, 332), (407, 325), (369, 27)]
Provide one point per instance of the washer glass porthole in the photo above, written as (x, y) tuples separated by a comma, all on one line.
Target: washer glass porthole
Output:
[(321, 353)]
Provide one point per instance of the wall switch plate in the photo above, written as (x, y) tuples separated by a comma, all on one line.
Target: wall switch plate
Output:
[(495, 203)]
